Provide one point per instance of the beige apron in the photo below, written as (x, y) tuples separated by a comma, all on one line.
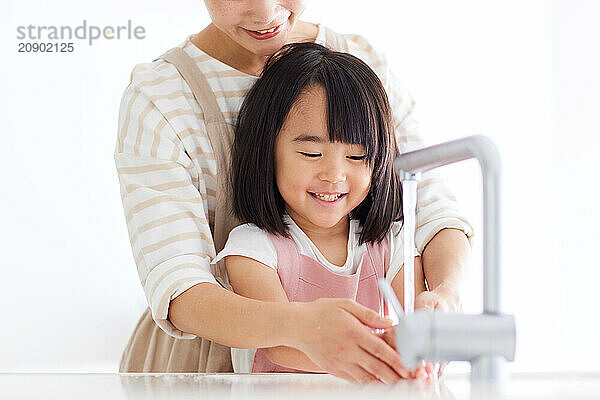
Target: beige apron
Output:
[(150, 349)]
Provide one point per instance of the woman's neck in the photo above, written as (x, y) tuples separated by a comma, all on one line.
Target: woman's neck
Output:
[(218, 45)]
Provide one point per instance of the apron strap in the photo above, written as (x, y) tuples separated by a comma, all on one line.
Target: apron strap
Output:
[(197, 82), (220, 134), (335, 41)]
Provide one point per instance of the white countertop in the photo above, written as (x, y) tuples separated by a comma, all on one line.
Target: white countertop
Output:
[(278, 386)]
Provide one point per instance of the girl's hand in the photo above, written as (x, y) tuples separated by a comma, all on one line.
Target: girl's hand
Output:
[(427, 370), (336, 335), (430, 370)]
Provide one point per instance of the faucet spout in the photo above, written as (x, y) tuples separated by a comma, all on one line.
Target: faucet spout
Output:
[(484, 340), (482, 149)]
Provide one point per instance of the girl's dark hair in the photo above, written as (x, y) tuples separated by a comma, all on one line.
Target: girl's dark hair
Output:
[(358, 112)]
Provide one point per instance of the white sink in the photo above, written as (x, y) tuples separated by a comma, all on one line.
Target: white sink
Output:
[(115, 386)]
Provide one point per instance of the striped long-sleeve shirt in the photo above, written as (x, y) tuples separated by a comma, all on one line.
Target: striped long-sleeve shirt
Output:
[(167, 170)]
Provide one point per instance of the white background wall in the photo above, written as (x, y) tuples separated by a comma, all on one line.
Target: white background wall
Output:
[(522, 73)]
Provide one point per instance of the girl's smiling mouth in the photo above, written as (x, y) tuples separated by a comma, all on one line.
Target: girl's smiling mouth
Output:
[(327, 198)]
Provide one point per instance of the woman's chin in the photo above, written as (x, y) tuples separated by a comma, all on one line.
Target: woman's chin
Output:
[(266, 49)]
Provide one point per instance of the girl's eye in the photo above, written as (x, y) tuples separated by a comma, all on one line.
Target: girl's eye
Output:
[(310, 155), (357, 158)]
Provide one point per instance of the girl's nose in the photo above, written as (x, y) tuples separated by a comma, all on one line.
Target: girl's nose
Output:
[(332, 172)]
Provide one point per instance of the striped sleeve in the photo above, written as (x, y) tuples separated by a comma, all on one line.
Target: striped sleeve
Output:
[(437, 207), (165, 213)]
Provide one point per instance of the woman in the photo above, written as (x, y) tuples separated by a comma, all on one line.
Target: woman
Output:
[(172, 152)]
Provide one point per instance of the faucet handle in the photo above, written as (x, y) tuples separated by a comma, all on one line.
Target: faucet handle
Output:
[(439, 336)]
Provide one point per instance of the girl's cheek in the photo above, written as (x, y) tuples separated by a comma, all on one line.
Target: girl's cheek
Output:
[(367, 181), (367, 173)]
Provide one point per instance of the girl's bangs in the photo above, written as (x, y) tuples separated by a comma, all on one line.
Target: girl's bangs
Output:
[(352, 111)]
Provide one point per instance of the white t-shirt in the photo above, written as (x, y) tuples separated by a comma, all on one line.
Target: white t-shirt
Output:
[(249, 241)]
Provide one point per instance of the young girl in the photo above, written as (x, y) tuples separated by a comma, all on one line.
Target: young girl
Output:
[(313, 182)]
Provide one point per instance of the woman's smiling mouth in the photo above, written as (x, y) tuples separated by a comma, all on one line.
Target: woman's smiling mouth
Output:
[(264, 34)]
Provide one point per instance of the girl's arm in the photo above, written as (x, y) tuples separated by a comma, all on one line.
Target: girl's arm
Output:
[(255, 280)]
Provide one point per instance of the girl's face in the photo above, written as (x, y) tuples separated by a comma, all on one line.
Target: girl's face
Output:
[(320, 181), (243, 21)]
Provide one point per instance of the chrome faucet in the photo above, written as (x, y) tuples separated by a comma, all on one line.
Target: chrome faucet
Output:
[(484, 340)]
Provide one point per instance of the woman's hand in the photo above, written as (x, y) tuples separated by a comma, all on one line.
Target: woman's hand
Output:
[(441, 298), (336, 335)]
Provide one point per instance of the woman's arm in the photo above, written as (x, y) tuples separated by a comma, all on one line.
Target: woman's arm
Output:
[(443, 266), (445, 261), (334, 333)]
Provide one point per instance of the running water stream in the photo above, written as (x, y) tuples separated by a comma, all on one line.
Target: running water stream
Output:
[(409, 207)]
